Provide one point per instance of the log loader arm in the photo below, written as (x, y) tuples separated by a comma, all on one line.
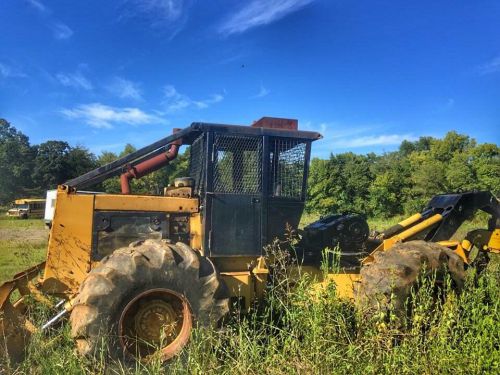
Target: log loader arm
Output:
[(441, 218)]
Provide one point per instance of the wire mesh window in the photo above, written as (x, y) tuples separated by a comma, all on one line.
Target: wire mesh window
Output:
[(197, 162), (237, 164), (287, 159)]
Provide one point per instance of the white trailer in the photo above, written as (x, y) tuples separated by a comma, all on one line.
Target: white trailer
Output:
[(50, 205)]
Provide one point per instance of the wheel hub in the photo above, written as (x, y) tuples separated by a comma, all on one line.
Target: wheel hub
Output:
[(155, 321)]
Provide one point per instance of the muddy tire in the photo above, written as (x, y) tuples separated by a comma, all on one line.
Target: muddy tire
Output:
[(386, 283), (152, 289)]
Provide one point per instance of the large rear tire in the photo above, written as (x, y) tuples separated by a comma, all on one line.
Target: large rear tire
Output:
[(143, 300), (386, 284)]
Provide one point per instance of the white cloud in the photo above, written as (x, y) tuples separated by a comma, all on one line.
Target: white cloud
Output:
[(260, 12), (337, 130), (374, 140), (164, 15), (61, 31), (338, 136), (166, 10), (76, 80), (262, 92), (176, 101), (38, 5), (99, 115), (492, 66), (7, 71), (125, 89)]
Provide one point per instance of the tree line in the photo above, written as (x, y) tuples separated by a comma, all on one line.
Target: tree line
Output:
[(404, 180), (29, 170), (378, 185)]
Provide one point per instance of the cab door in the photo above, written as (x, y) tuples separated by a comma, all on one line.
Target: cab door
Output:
[(235, 200)]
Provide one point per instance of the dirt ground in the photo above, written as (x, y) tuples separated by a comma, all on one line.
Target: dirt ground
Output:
[(35, 235), (29, 230), (23, 243)]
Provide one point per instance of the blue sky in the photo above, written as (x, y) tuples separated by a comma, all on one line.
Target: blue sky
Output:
[(366, 74)]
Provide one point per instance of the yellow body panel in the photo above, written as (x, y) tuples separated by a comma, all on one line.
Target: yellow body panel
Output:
[(235, 264), (196, 229), (248, 286), (240, 285), (494, 243), (117, 202), (344, 282), (459, 248), (70, 243), (246, 280)]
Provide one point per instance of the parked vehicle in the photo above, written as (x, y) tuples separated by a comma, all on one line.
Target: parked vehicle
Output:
[(50, 207), (27, 208)]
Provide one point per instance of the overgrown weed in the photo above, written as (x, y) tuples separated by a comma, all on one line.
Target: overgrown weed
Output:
[(295, 331)]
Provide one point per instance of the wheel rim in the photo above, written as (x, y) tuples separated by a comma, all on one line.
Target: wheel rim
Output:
[(158, 321)]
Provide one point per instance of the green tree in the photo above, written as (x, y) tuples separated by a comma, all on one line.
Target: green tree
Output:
[(56, 162), (422, 144), (444, 149), (80, 160), (460, 173), (340, 183), (16, 162), (391, 185), (320, 188), (111, 185), (51, 164), (485, 161)]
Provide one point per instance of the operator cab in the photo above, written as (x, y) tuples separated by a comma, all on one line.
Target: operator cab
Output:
[(251, 182)]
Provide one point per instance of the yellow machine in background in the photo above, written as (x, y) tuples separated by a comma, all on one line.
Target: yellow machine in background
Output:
[(137, 272)]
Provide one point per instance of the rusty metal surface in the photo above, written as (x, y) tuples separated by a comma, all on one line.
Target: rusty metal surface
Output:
[(148, 166), (15, 327), (276, 123), (158, 318)]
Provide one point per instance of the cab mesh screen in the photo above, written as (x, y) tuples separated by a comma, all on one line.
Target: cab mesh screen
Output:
[(287, 159), (197, 163), (237, 164)]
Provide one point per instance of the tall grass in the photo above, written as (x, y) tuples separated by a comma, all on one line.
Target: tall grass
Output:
[(294, 331), (16, 222), (16, 256), (23, 243)]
